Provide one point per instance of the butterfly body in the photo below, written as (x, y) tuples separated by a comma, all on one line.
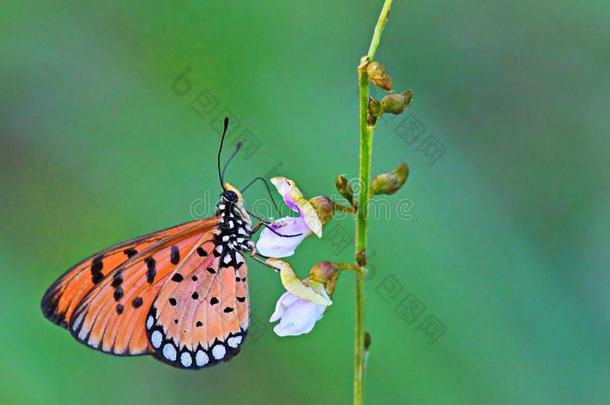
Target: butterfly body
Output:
[(180, 294)]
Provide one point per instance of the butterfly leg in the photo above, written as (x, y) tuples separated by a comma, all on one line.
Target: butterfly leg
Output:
[(257, 227), (261, 261)]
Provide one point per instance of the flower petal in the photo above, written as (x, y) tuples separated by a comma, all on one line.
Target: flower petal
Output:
[(271, 244), (293, 284), (284, 302), (299, 318), (294, 199), (318, 287)]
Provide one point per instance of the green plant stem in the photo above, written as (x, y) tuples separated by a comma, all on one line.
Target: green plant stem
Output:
[(366, 151), (383, 18)]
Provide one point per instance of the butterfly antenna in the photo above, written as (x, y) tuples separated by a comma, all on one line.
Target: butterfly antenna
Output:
[(268, 191), (224, 169), (222, 140)]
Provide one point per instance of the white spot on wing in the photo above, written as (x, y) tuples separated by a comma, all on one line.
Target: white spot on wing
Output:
[(169, 351), (149, 322), (155, 338), (234, 341), (219, 352), (185, 359), (201, 358)]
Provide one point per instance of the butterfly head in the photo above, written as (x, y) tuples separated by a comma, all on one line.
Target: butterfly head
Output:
[(232, 195)]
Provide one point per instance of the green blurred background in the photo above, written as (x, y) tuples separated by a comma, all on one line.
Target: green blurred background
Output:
[(502, 248)]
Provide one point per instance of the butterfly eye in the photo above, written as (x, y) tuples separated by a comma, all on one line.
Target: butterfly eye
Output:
[(230, 196)]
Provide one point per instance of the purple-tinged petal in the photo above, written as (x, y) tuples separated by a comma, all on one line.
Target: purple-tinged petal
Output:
[(294, 199), (271, 244), (299, 318)]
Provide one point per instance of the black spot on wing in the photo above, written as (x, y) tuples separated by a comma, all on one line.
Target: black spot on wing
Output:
[(175, 255), (49, 306), (137, 302), (130, 252), (151, 264), (118, 293), (117, 279), (96, 269)]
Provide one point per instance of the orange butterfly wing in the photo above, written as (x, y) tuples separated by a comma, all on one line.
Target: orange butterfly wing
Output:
[(104, 300), (62, 297), (180, 294), (201, 316)]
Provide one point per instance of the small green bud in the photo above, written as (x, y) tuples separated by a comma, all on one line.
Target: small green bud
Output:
[(397, 102), (379, 76), (391, 182), (344, 188), (373, 111)]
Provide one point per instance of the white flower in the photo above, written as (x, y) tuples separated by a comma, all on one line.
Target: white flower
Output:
[(271, 242), (301, 306), (296, 315)]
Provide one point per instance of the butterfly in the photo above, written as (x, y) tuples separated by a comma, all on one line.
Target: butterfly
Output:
[(179, 294)]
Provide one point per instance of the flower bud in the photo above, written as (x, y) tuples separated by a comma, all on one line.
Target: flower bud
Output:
[(344, 188), (361, 258), (378, 76), (391, 182), (374, 111), (325, 273), (323, 207), (396, 103)]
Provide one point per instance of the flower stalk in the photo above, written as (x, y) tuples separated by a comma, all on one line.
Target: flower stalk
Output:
[(365, 156)]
